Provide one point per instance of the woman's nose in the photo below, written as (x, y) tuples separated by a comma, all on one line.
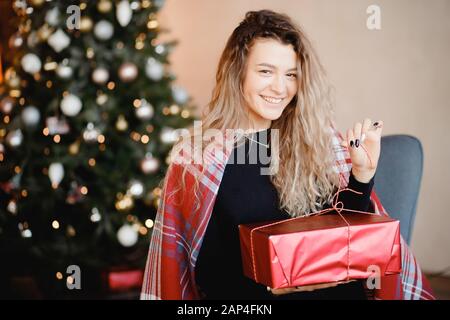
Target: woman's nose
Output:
[(278, 85)]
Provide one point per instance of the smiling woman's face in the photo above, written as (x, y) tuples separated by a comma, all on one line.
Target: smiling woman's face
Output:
[(270, 81)]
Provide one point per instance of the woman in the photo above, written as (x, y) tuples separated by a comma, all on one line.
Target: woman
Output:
[(269, 83)]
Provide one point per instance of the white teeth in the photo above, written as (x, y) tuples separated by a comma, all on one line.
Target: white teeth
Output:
[(271, 100)]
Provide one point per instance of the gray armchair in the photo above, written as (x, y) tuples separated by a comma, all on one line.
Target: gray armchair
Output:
[(398, 178)]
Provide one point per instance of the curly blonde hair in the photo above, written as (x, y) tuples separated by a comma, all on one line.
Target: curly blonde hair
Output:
[(305, 179)]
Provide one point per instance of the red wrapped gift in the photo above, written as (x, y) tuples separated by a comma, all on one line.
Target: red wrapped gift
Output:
[(122, 280), (320, 249)]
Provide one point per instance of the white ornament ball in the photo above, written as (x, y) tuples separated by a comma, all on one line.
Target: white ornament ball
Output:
[(149, 165), (12, 207), (169, 135), (154, 69), (135, 5), (6, 105), (95, 215), (31, 63), (91, 133), (160, 48), (20, 6), (123, 13), (128, 72), (127, 235), (101, 99), (103, 30), (179, 95), (136, 188), (100, 75), (31, 116), (14, 138), (71, 105), (52, 17), (26, 233), (59, 40), (64, 72), (145, 111), (16, 40), (55, 173)]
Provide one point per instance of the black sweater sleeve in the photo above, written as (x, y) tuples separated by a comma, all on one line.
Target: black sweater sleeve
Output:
[(353, 200)]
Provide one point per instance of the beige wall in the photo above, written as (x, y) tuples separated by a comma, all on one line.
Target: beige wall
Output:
[(400, 74)]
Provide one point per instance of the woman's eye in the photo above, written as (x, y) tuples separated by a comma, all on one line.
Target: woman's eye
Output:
[(292, 75), (264, 71)]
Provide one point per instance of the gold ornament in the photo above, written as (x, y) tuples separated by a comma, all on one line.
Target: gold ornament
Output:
[(149, 223), (125, 202), (120, 45), (143, 230), (50, 65), (44, 32), (12, 78), (146, 3), (139, 45), (90, 53), (16, 40), (86, 24), (70, 231), (156, 202), (20, 7), (74, 148), (152, 24), (174, 109), (37, 3), (104, 6), (121, 123), (15, 93), (25, 27), (101, 99), (185, 114)]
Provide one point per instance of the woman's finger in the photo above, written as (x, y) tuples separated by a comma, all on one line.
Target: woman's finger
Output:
[(375, 130), (378, 126), (367, 123), (350, 138), (357, 132)]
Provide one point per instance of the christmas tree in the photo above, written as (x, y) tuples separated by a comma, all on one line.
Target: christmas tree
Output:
[(89, 111)]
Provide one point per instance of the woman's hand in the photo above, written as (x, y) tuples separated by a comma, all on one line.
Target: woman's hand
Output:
[(364, 136), (306, 288)]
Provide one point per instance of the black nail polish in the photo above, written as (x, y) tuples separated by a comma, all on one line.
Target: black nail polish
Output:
[(357, 143), (375, 124), (351, 143)]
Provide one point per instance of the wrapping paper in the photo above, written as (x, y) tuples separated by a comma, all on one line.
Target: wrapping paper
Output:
[(320, 249)]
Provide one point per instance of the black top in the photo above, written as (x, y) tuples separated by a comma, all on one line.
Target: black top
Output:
[(247, 196)]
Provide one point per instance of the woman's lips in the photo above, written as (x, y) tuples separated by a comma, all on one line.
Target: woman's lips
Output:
[(271, 100)]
